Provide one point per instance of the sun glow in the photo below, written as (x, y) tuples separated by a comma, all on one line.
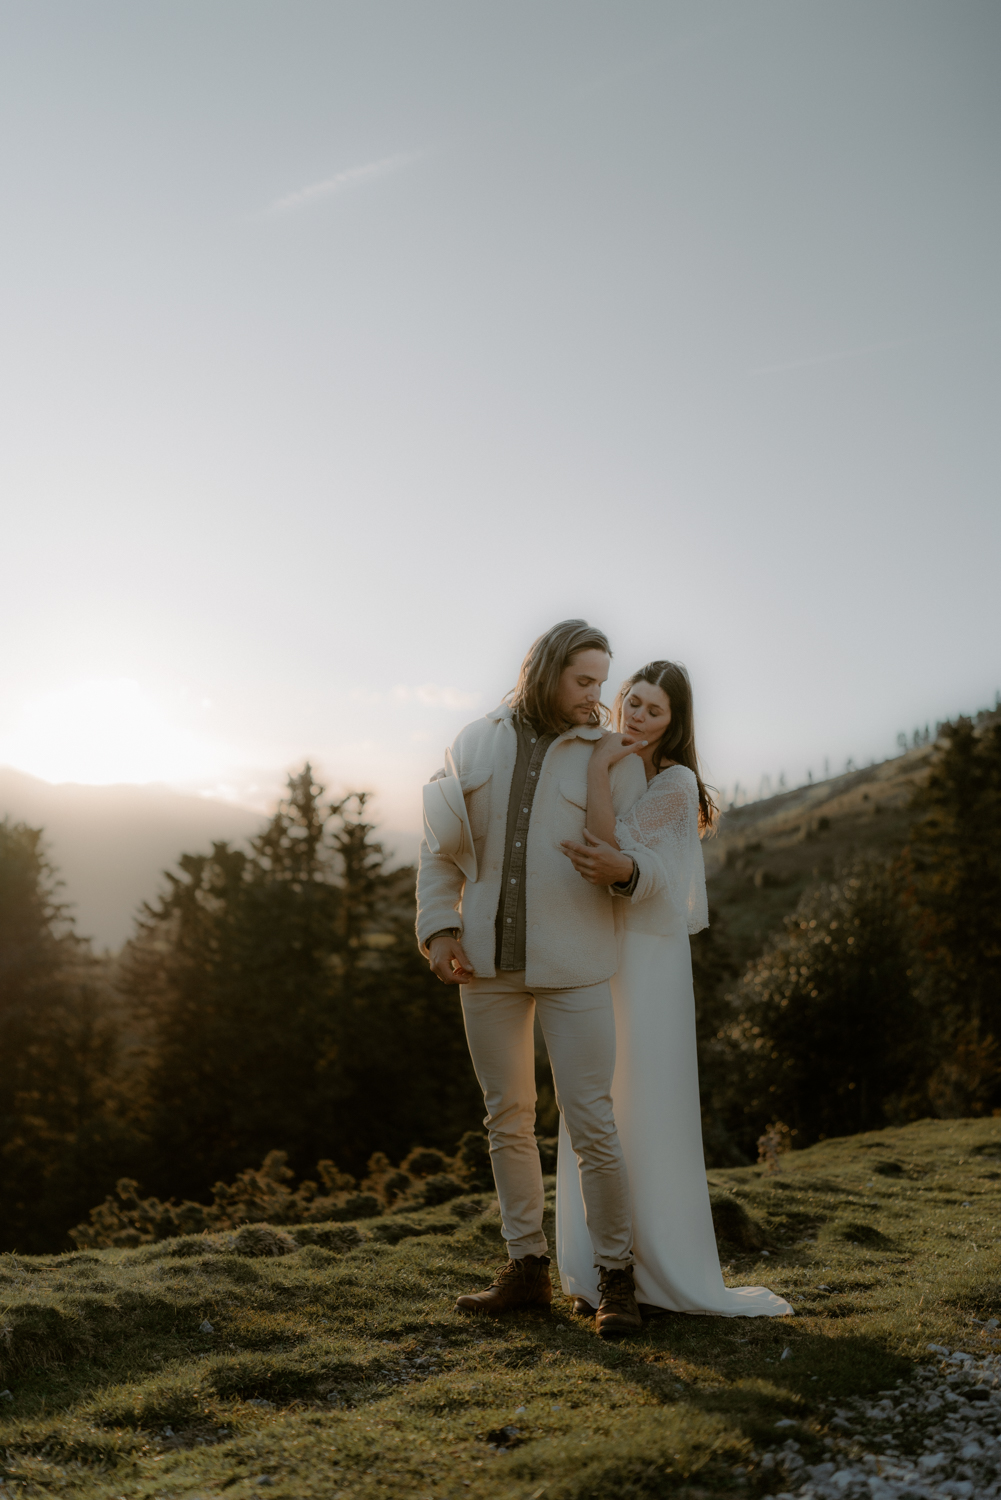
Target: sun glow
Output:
[(102, 732)]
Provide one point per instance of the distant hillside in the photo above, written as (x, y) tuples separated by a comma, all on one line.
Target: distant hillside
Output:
[(768, 853), (111, 844)]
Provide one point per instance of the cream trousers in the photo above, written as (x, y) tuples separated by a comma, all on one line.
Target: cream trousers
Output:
[(579, 1028)]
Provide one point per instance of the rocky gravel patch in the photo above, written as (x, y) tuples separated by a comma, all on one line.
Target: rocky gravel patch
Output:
[(936, 1437)]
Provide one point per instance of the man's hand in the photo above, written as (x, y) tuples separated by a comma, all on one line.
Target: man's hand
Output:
[(598, 862), (449, 961)]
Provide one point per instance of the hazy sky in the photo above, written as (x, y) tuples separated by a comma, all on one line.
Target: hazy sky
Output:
[(346, 347)]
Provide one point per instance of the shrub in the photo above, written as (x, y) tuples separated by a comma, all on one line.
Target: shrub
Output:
[(439, 1189), (266, 1195), (826, 1029), (257, 1196), (472, 1162), (424, 1163)]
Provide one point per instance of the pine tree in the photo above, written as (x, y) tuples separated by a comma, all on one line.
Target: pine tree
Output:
[(954, 893), (65, 1132), (286, 1007)]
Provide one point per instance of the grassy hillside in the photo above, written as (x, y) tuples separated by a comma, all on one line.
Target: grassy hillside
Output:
[(201, 1365), (768, 853)]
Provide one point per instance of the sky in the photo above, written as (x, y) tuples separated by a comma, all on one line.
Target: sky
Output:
[(346, 347)]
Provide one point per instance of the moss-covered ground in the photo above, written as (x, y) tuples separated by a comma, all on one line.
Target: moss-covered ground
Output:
[(185, 1369)]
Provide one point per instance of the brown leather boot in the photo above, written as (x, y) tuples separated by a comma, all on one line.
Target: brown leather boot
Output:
[(617, 1314), (583, 1308), (522, 1283)]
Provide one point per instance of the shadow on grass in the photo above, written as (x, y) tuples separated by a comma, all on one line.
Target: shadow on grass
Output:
[(752, 1372)]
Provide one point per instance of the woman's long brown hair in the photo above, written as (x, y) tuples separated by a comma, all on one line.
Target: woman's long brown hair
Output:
[(678, 740)]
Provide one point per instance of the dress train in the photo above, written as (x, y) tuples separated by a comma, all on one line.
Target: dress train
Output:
[(655, 1093)]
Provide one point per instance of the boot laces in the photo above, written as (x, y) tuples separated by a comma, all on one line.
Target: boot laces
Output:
[(515, 1270), (616, 1287)]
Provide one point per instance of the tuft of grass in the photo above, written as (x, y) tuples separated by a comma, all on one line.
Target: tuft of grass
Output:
[(328, 1360)]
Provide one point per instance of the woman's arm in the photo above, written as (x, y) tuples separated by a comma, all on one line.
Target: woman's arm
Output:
[(600, 811)]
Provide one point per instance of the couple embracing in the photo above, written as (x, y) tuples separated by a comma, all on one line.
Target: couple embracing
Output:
[(560, 875)]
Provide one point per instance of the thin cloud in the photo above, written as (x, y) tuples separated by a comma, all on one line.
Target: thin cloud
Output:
[(316, 191), (831, 359), (434, 696), (430, 694)]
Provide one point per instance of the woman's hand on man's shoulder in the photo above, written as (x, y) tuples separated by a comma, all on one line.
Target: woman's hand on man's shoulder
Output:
[(612, 748)]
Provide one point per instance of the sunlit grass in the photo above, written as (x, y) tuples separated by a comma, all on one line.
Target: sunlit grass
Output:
[(348, 1373)]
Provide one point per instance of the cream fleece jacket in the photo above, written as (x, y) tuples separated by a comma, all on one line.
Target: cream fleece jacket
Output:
[(570, 939)]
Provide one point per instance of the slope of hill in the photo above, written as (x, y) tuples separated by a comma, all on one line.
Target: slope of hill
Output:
[(768, 853), (324, 1368)]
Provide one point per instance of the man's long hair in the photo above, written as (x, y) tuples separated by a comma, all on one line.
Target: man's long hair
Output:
[(534, 695), (678, 742)]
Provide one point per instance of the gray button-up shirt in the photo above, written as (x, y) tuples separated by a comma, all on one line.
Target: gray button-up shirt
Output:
[(510, 924)]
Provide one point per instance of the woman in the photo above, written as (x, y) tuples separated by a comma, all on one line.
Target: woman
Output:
[(654, 856)]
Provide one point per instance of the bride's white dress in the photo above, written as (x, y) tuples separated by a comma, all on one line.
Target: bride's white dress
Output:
[(655, 1089)]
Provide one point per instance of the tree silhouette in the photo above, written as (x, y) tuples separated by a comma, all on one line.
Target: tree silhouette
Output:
[(285, 1006), (954, 894), (64, 1123)]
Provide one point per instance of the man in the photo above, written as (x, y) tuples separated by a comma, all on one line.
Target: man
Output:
[(518, 929)]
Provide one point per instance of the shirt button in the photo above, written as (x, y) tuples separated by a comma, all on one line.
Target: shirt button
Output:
[(531, 773), (533, 742), (507, 919), (513, 881), (518, 845), (524, 809)]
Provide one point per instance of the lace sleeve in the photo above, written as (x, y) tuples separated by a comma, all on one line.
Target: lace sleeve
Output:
[(662, 814), (665, 821)]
